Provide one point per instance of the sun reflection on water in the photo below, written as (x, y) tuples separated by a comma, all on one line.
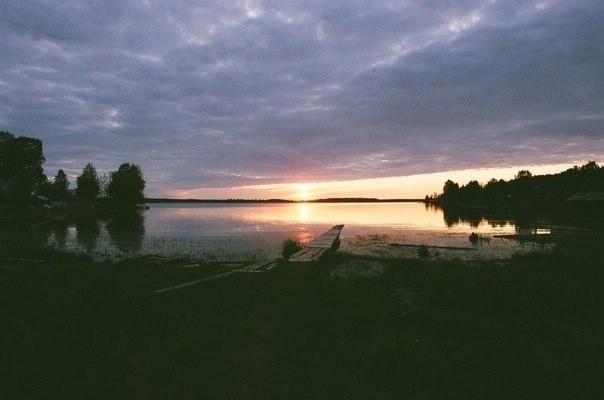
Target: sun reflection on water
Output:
[(303, 212), (392, 216)]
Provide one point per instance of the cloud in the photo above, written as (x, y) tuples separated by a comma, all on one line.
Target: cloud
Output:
[(237, 93)]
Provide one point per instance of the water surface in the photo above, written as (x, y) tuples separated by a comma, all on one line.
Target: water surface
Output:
[(256, 231)]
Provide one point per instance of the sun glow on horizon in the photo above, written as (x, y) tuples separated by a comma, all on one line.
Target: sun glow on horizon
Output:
[(304, 191), (399, 187)]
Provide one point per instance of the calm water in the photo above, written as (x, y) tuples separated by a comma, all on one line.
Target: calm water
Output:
[(245, 231)]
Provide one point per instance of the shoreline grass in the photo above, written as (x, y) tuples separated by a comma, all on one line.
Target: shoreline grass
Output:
[(526, 327)]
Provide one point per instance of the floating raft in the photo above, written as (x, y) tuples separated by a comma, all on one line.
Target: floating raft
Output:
[(318, 247)]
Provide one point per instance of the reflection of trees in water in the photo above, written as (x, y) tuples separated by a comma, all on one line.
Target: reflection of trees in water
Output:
[(59, 231), (526, 219), (474, 216), (88, 230), (450, 216), (127, 230), (454, 216), (451, 219)]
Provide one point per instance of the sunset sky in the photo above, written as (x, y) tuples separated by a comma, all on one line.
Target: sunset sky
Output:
[(305, 99)]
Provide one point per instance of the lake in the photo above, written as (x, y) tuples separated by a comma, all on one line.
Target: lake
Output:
[(225, 231)]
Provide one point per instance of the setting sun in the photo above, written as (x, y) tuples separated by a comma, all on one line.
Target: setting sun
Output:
[(303, 191)]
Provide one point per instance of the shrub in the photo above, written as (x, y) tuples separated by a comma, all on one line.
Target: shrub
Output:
[(475, 238), (290, 246), (423, 252)]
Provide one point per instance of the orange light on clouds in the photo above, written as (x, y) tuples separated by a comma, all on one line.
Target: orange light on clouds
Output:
[(403, 187)]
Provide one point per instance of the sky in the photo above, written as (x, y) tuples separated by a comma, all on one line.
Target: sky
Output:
[(296, 99)]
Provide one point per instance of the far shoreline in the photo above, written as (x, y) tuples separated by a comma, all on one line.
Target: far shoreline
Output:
[(282, 201)]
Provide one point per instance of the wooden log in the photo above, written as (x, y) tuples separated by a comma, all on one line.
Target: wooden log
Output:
[(432, 247)]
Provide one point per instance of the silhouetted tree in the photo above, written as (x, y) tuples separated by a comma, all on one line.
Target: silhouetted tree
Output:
[(44, 187), (471, 190), (526, 189), (450, 191), (88, 185), (523, 174), (60, 186), (127, 185), (590, 166), (450, 187), (21, 160)]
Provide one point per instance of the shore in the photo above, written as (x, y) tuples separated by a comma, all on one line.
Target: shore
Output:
[(347, 327)]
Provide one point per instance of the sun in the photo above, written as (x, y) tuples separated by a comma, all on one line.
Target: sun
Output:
[(304, 191)]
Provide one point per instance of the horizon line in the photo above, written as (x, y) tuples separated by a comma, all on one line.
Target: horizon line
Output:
[(280, 200)]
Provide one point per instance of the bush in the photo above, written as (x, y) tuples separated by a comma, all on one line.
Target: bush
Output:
[(423, 252), (475, 238), (290, 246)]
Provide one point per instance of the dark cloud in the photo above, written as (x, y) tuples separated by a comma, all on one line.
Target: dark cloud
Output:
[(245, 92)]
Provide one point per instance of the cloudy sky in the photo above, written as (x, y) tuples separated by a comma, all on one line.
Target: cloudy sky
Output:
[(238, 97)]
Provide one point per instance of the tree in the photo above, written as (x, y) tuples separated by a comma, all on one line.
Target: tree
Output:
[(60, 186), (88, 185), (450, 191), (590, 166), (491, 183), (127, 185), (523, 174), (21, 160), (450, 187)]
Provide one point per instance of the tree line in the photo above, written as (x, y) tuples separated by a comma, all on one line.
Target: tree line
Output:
[(525, 188), (22, 177)]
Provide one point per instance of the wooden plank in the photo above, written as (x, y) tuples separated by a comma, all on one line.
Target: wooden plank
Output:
[(308, 255), (195, 282), (259, 265)]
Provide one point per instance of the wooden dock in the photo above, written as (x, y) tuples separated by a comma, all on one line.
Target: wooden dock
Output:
[(319, 246)]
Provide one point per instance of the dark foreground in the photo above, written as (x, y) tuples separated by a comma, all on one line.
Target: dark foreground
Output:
[(528, 328)]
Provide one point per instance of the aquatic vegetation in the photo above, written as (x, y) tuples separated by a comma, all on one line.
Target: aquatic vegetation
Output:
[(423, 252), (290, 246), (475, 238)]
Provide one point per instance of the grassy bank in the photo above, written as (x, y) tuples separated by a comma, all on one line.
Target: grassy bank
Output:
[(345, 328)]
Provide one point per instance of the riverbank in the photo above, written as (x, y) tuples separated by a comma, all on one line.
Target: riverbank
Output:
[(347, 327)]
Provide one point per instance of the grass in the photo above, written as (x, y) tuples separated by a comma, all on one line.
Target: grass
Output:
[(290, 247), (527, 328)]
